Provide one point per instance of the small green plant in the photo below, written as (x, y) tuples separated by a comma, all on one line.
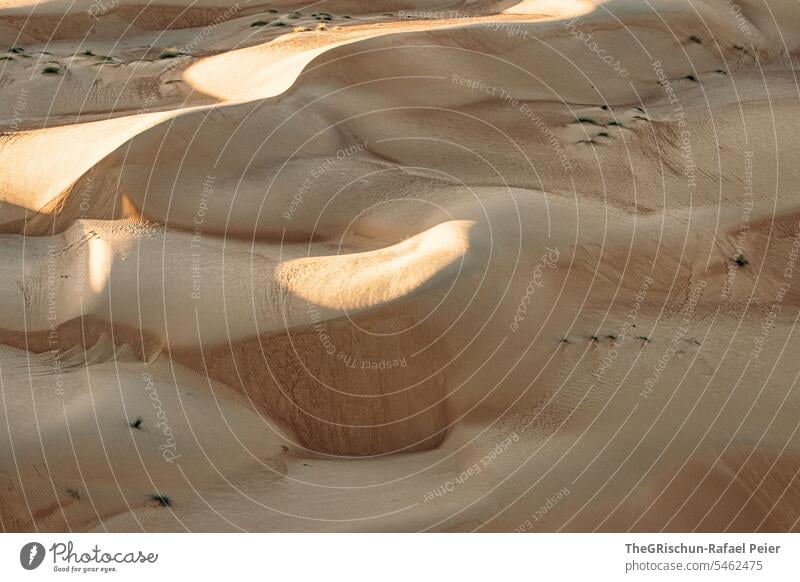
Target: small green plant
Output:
[(740, 260), (170, 53), (87, 53), (721, 72), (594, 338), (161, 499), (615, 123), (272, 11), (565, 340), (691, 78), (612, 337), (6, 58), (259, 23), (137, 423), (603, 134), (295, 15), (696, 39), (278, 23), (17, 50), (51, 70), (587, 120), (644, 338)]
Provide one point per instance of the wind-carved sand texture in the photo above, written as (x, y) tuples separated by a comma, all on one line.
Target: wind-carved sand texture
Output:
[(399, 266)]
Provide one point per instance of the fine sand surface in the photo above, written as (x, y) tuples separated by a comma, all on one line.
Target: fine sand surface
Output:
[(399, 265)]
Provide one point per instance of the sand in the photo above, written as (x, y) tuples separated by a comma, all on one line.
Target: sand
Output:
[(400, 266)]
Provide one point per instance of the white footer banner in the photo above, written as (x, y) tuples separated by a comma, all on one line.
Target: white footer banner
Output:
[(389, 557)]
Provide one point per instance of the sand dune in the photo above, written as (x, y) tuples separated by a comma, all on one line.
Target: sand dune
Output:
[(399, 266)]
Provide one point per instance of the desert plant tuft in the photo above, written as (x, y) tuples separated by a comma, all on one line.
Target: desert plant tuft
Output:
[(612, 337), (137, 423), (603, 134), (321, 26), (50, 70), (278, 23), (644, 338), (588, 141), (696, 39), (87, 53), (161, 499), (588, 120), (615, 123), (594, 338), (740, 260), (17, 50), (691, 78), (170, 53), (259, 23), (565, 340), (295, 15)]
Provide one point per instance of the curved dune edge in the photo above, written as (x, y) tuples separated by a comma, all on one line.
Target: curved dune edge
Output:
[(461, 279), (40, 190)]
